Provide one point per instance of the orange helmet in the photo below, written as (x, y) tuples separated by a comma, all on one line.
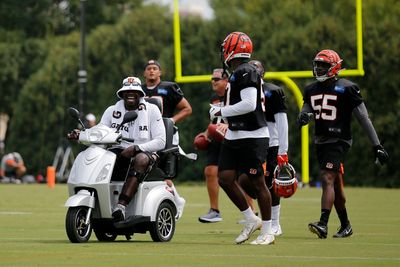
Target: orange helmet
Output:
[(326, 64), (285, 181), (236, 45)]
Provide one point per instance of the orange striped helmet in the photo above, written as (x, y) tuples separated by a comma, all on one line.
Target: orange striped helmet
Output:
[(236, 45)]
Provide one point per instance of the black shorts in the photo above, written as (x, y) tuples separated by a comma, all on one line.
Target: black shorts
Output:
[(272, 162), (331, 156), (243, 155), (213, 153)]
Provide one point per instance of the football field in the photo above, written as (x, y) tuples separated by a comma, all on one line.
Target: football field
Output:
[(32, 233)]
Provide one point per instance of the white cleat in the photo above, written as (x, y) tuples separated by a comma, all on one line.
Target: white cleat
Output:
[(264, 239), (277, 230), (250, 227)]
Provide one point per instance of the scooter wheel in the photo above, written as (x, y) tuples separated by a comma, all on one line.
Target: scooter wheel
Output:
[(163, 228), (77, 230), (104, 237)]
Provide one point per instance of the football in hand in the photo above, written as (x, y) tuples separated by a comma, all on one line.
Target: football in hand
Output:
[(214, 133), (201, 142)]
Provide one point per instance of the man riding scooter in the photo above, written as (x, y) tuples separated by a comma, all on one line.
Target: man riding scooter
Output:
[(147, 133)]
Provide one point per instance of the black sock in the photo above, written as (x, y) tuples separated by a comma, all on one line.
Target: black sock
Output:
[(325, 216), (344, 221), (215, 210)]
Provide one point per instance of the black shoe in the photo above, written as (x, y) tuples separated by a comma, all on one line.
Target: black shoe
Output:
[(318, 228), (344, 231)]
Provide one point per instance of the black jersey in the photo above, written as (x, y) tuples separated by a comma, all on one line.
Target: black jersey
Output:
[(170, 95), (218, 101), (332, 106), (243, 77), (275, 101)]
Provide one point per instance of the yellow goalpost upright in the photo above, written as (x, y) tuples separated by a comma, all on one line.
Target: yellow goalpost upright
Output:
[(282, 76)]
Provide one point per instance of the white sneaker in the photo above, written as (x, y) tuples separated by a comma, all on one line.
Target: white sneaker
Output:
[(180, 205), (118, 213), (277, 230), (264, 239), (250, 227)]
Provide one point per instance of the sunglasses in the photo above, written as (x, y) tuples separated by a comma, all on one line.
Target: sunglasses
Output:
[(128, 84), (216, 79)]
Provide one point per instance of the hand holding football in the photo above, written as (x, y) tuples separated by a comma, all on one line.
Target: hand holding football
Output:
[(214, 133), (201, 142)]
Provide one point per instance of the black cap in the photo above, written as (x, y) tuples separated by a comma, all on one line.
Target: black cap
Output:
[(153, 62)]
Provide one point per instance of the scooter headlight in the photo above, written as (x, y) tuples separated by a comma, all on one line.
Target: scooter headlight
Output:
[(95, 135), (103, 173)]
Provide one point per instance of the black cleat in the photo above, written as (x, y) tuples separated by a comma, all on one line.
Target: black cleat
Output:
[(318, 228), (344, 231)]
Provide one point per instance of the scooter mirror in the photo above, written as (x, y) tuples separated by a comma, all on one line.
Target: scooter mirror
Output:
[(74, 113), (128, 117)]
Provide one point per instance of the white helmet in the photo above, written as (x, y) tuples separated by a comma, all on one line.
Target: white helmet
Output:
[(131, 84)]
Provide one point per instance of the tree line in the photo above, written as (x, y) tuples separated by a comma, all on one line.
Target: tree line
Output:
[(39, 57)]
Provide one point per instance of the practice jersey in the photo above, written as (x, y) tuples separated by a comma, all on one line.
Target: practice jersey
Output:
[(170, 95), (245, 76), (147, 130), (332, 106), (275, 103)]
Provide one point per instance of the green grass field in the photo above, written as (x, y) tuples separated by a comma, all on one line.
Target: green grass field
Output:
[(32, 233)]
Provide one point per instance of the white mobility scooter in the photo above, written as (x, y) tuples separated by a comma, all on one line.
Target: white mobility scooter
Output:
[(94, 187)]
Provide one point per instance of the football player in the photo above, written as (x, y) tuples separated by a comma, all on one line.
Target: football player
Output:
[(332, 101), (172, 99), (275, 114), (243, 150)]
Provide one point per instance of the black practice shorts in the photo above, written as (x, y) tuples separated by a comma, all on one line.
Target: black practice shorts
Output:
[(213, 153), (331, 156), (244, 155), (123, 167), (272, 162)]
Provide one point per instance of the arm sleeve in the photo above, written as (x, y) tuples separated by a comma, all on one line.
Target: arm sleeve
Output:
[(157, 132), (106, 118), (306, 108), (246, 105), (283, 132), (361, 114)]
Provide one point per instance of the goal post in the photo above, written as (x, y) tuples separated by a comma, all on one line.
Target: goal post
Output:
[(282, 76)]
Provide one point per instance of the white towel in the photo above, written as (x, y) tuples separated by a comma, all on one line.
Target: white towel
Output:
[(141, 130)]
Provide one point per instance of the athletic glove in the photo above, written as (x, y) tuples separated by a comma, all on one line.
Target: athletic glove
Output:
[(283, 159), (381, 156), (73, 135), (303, 119), (215, 111)]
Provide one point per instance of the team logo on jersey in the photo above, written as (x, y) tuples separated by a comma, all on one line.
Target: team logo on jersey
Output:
[(253, 171), (339, 89), (268, 94), (162, 91), (117, 114), (143, 128), (329, 165)]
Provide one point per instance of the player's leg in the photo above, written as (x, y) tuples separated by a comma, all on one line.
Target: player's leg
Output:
[(345, 229), (275, 200), (211, 174)]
